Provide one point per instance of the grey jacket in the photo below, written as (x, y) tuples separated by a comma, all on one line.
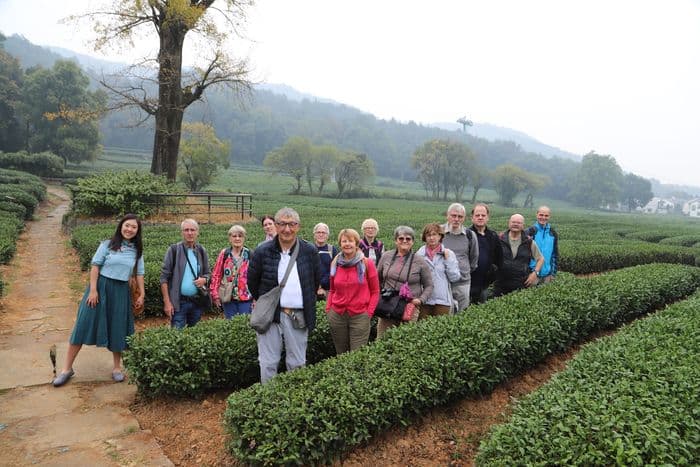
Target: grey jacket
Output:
[(466, 247), (173, 269), (445, 269)]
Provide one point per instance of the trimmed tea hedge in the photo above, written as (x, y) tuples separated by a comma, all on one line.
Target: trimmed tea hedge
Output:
[(315, 413), (681, 240), (43, 164), (118, 193), (214, 354), (580, 257), (628, 399)]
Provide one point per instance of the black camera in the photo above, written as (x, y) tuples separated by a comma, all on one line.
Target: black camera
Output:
[(387, 293)]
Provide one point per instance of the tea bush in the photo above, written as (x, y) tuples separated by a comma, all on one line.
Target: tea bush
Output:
[(43, 164), (16, 194), (214, 354), (628, 399), (580, 257), (681, 240), (118, 193), (313, 414)]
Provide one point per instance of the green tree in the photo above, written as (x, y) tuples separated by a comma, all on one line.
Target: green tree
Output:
[(636, 191), (443, 166), (61, 114), (292, 159), (597, 181), (352, 171), (479, 177), (325, 159), (11, 76), (202, 155), (510, 180), (172, 20)]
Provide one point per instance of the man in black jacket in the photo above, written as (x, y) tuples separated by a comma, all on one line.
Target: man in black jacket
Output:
[(296, 313), (517, 248), (489, 254)]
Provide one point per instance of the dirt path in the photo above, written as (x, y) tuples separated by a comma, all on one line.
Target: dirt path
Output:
[(88, 421)]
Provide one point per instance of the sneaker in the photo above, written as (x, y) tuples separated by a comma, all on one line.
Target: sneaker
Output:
[(118, 376), (63, 378)]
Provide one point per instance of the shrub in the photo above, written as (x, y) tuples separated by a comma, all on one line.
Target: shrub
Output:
[(16, 194), (25, 181), (580, 257), (681, 240), (118, 193), (314, 413), (43, 164), (10, 227), (628, 399), (13, 208), (215, 353)]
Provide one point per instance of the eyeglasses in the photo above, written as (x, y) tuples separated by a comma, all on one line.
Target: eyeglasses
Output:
[(457, 216), (282, 225), (404, 239), (320, 232), (236, 236)]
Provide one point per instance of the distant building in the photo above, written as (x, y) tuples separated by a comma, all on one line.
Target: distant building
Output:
[(691, 208), (659, 206)]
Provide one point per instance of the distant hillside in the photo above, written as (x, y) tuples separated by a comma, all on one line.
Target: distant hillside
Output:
[(29, 54), (496, 133)]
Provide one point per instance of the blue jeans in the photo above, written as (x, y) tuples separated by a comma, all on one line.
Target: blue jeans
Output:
[(189, 314), (234, 307)]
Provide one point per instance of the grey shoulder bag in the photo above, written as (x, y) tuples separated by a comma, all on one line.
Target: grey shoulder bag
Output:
[(266, 304)]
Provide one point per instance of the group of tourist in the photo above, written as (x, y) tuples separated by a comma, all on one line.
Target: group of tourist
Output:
[(455, 266)]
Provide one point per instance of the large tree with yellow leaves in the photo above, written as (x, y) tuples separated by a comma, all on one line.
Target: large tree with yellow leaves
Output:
[(172, 20)]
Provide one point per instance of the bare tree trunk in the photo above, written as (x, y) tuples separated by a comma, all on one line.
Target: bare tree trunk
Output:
[(170, 111)]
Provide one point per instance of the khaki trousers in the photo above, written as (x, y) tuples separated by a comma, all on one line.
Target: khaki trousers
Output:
[(384, 324), (427, 311), (349, 332)]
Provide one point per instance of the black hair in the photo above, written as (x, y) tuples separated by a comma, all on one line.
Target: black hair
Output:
[(266, 217), (116, 241)]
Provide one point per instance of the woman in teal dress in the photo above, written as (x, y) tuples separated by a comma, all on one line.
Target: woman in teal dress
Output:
[(104, 315)]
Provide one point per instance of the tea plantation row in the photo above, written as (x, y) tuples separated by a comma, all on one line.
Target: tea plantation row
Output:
[(315, 413), (20, 193), (578, 257), (628, 399)]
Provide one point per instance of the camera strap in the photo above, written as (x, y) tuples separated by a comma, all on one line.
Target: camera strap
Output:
[(391, 263)]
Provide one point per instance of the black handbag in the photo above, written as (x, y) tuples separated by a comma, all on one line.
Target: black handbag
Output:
[(390, 304)]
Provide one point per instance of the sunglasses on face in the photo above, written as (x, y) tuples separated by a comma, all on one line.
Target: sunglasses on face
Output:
[(404, 239)]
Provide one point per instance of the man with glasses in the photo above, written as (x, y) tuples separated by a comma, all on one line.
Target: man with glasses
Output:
[(296, 313), (465, 245), (184, 273)]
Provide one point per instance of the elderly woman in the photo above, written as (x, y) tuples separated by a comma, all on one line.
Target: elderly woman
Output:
[(104, 315), (353, 294), (444, 269), (229, 279), (399, 266), (370, 246), (326, 253)]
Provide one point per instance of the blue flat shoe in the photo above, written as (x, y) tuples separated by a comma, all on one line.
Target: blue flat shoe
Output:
[(118, 376), (63, 378)]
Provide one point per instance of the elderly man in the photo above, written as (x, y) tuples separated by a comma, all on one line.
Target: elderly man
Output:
[(547, 240), (265, 271), (184, 273), (489, 254), (517, 250), (465, 245)]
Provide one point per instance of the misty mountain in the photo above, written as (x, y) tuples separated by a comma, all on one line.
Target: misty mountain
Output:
[(499, 133)]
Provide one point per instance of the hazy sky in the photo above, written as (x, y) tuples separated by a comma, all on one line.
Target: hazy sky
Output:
[(618, 77)]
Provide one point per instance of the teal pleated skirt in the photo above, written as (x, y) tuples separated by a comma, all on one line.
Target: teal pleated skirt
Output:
[(110, 322)]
